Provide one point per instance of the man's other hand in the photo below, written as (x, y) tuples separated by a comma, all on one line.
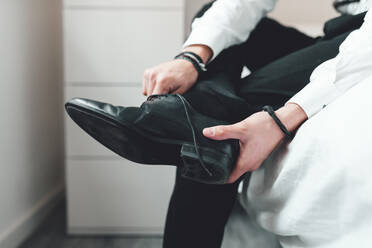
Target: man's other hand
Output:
[(259, 135)]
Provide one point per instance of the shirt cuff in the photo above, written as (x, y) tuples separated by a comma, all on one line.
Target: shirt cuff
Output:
[(209, 36), (316, 96)]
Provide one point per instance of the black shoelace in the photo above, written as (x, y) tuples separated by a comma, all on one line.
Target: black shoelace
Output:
[(186, 105)]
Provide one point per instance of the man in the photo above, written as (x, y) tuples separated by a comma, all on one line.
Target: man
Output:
[(226, 35)]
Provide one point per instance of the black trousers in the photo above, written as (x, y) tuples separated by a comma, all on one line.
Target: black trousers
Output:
[(281, 60)]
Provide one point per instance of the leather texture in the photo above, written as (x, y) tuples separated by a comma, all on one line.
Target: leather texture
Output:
[(164, 130)]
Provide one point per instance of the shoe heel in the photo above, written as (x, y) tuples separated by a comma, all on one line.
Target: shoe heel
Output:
[(218, 164)]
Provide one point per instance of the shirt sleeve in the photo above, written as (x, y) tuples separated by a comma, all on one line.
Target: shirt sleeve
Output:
[(227, 23), (334, 77)]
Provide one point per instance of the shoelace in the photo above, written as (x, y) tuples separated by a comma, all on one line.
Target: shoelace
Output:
[(186, 105)]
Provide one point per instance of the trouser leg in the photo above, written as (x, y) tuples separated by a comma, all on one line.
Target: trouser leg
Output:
[(198, 213)]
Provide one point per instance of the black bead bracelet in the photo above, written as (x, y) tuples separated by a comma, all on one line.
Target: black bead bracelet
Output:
[(192, 54), (289, 135), (194, 59)]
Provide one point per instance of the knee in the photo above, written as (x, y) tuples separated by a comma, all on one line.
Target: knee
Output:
[(205, 86), (267, 23)]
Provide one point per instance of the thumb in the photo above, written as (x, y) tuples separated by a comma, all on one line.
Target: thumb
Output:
[(237, 171), (223, 132)]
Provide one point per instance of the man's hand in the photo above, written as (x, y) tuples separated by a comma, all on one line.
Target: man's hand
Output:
[(176, 76), (258, 134)]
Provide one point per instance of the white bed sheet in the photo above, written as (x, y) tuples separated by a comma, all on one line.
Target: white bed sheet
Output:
[(317, 190)]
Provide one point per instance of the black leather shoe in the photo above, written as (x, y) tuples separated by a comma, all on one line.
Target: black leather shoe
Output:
[(164, 130)]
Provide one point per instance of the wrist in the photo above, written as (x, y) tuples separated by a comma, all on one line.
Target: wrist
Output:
[(291, 115), (203, 51), (274, 129)]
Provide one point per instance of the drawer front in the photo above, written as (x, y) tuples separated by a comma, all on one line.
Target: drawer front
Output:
[(125, 3), (117, 196), (78, 143), (118, 45)]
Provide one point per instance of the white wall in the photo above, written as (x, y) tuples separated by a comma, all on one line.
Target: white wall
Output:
[(31, 124), (306, 15), (191, 8), (304, 11)]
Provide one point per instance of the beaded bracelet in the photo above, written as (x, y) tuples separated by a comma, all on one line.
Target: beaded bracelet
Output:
[(195, 59), (271, 112), (192, 54)]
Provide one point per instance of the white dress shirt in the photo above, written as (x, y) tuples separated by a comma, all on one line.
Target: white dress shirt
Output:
[(230, 22), (335, 76)]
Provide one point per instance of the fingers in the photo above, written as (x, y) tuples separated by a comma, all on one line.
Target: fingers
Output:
[(153, 83), (223, 132), (145, 82), (160, 85), (159, 89), (175, 76), (150, 87)]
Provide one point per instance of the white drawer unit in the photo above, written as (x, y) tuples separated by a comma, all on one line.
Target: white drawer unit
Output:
[(107, 46), (117, 196), (116, 45)]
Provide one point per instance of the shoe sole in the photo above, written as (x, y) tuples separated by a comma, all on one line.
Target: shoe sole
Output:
[(135, 145)]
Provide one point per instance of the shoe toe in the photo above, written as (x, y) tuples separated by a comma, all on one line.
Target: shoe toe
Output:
[(106, 109)]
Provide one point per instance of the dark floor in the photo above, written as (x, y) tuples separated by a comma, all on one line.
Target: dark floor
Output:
[(52, 234)]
